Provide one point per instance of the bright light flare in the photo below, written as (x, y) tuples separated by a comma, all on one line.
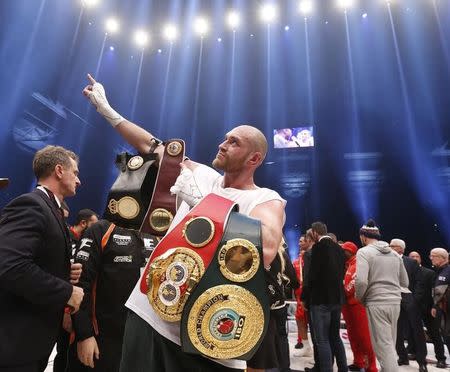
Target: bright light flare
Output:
[(201, 26), (268, 13), (233, 19), (305, 6), (89, 3), (141, 38), (345, 4), (170, 32), (112, 25)]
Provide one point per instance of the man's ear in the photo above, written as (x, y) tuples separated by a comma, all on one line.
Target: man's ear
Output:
[(255, 159), (59, 170)]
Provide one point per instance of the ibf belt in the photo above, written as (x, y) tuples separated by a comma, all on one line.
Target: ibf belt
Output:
[(181, 257), (162, 206), (226, 316)]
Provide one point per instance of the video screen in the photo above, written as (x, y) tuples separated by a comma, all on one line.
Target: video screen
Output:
[(293, 137)]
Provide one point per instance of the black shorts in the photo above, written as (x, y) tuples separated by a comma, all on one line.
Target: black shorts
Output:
[(270, 352), (145, 350)]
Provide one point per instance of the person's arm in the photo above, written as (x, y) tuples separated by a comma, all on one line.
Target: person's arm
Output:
[(271, 215), (404, 280), (135, 135), (362, 276), (89, 255), (22, 233)]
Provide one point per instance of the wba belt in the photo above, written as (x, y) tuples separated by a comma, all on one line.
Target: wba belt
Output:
[(212, 280)]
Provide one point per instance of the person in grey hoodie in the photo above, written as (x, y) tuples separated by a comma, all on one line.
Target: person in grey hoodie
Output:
[(380, 274)]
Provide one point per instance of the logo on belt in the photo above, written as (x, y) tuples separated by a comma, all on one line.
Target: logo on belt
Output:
[(171, 278), (225, 322)]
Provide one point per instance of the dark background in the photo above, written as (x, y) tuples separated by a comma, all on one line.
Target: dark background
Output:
[(375, 88)]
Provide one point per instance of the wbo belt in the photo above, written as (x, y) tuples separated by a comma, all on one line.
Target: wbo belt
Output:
[(181, 257)]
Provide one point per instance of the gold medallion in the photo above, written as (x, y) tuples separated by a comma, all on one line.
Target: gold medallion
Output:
[(128, 207), (171, 279), (238, 260), (160, 219), (135, 162), (199, 231), (225, 322), (174, 148)]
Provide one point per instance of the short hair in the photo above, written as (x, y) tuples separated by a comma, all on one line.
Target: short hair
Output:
[(440, 252), (319, 227), (84, 215), (45, 160), (399, 243), (309, 234)]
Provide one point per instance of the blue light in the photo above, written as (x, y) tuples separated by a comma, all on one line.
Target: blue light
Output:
[(219, 39), (286, 28), (364, 15), (111, 48), (159, 51)]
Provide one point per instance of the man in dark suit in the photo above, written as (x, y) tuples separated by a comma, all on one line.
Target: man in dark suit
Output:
[(426, 304), (325, 291), (35, 269), (410, 320)]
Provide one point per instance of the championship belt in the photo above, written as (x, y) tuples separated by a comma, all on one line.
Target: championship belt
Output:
[(129, 197), (227, 315), (181, 257), (162, 206)]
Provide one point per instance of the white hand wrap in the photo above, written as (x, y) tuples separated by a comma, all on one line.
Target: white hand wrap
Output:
[(97, 96), (186, 188)]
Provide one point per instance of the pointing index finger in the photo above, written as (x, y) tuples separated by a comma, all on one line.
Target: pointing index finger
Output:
[(91, 79)]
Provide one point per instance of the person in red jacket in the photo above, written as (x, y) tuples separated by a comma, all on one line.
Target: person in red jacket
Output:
[(356, 318)]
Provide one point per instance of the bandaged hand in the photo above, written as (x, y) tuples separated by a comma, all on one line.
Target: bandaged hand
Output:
[(96, 94), (186, 188)]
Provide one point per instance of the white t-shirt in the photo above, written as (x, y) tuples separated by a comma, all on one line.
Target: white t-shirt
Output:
[(208, 181)]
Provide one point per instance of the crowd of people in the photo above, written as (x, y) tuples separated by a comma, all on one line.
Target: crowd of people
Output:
[(389, 302), (80, 287)]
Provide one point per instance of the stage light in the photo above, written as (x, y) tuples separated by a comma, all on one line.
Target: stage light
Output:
[(170, 32), (233, 19), (141, 38), (345, 4), (111, 48), (201, 26), (305, 6), (286, 28), (89, 3), (268, 13), (364, 15), (219, 39), (112, 25)]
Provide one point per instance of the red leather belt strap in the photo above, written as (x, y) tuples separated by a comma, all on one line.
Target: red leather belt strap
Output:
[(213, 207)]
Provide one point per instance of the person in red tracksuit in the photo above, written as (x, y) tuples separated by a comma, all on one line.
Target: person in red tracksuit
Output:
[(356, 318)]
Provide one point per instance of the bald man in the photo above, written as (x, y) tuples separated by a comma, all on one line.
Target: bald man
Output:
[(239, 155), (426, 304), (410, 321)]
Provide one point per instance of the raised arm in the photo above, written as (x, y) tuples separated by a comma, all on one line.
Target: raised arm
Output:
[(139, 138), (271, 214)]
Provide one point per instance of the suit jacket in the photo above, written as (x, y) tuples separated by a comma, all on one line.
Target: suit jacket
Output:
[(324, 283), (425, 298), (34, 278), (414, 276)]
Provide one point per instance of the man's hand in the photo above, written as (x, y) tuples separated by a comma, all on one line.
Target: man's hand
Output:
[(67, 323), (76, 298), (96, 94), (86, 351), (75, 272)]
